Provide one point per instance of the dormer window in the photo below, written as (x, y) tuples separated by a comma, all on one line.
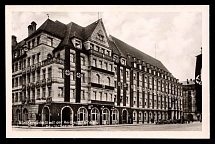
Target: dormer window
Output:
[(150, 70), (91, 46), (77, 44), (128, 55), (123, 61), (115, 58), (135, 65), (140, 67), (108, 53)]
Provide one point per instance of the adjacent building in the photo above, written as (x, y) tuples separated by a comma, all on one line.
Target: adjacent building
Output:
[(66, 73)]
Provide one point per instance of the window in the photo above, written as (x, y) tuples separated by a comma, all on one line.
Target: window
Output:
[(106, 66), (135, 65), (134, 76), (98, 78), (105, 114), (94, 63), (91, 46), (77, 44), (38, 40), (94, 93), (126, 74), (49, 72), (134, 100), (115, 84), (134, 87), (38, 57), (110, 66), (114, 98), (71, 75), (94, 114), (82, 77), (100, 64), (82, 94), (96, 48), (38, 75), (49, 91), (29, 44), (33, 94), (38, 93), (12, 83), (72, 93), (140, 101), (13, 68), (50, 41), (28, 78), (20, 96), (82, 114), (44, 73), (108, 53), (140, 67), (72, 58), (82, 61), (20, 80), (100, 94), (33, 77), (114, 114), (127, 99), (44, 92), (108, 80), (60, 92), (102, 50), (111, 98), (60, 73), (20, 65), (33, 42), (120, 99), (106, 99), (29, 61), (24, 79), (24, 63)]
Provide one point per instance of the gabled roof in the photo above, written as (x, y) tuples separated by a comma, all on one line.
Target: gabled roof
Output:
[(66, 40), (127, 49), (56, 28), (88, 30)]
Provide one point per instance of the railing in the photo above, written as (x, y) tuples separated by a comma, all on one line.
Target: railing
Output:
[(102, 55), (102, 102), (102, 86), (102, 70), (52, 60)]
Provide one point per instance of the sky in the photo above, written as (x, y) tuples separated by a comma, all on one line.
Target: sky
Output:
[(173, 37)]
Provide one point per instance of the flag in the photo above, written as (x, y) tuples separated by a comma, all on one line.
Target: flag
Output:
[(198, 82)]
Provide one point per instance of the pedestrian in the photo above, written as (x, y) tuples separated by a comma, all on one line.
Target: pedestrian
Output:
[(29, 123)]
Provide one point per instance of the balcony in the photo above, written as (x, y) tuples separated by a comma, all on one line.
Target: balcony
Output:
[(109, 87), (49, 81), (102, 86), (31, 101), (99, 54), (43, 82), (38, 84), (52, 60), (102, 70), (33, 67), (28, 69), (102, 102)]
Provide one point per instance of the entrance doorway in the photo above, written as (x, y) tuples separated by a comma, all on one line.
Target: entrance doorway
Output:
[(66, 115), (45, 115), (124, 116)]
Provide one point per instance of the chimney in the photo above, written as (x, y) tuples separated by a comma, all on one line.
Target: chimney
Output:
[(13, 41), (187, 81), (32, 28)]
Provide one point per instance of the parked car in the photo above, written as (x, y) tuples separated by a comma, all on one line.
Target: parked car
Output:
[(169, 121), (160, 121)]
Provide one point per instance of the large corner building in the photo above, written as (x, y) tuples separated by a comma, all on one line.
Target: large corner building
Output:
[(65, 73)]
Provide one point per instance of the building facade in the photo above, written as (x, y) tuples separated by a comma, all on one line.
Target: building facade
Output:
[(189, 102), (68, 74)]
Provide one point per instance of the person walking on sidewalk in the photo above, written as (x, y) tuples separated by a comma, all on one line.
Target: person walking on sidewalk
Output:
[(29, 123)]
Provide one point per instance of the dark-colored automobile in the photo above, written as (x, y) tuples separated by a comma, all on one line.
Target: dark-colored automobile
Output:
[(169, 121), (160, 121)]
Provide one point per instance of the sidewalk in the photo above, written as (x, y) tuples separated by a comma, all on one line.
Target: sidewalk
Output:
[(76, 127)]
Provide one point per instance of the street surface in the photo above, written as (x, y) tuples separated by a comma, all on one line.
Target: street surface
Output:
[(195, 126)]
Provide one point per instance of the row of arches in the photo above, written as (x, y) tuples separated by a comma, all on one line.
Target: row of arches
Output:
[(96, 117), (22, 115), (98, 80)]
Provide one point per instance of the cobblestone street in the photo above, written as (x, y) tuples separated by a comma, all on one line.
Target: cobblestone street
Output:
[(195, 126)]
